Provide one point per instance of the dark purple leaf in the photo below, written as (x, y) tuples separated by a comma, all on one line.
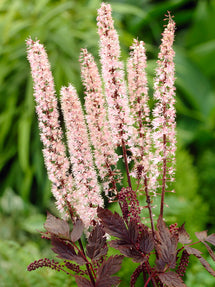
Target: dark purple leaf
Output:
[(193, 251), (167, 246), (128, 250), (209, 250), (108, 281), (160, 264), (184, 237), (111, 266), (96, 247), (108, 268), (146, 241), (77, 230), (197, 253), (207, 266), (66, 251), (171, 279), (201, 235), (133, 231), (82, 281), (113, 223), (211, 239), (56, 226)]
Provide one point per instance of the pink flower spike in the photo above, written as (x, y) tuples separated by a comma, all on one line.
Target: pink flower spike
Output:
[(113, 76), (56, 162), (105, 156), (138, 91), (164, 111), (87, 196)]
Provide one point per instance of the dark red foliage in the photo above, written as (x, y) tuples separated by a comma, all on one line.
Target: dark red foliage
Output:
[(133, 239), (83, 282), (66, 251), (166, 246), (113, 223), (171, 279), (56, 226), (77, 231), (109, 267), (96, 247), (184, 237)]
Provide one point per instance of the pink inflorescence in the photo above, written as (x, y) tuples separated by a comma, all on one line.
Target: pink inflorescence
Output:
[(104, 153), (57, 163), (164, 112), (113, 75), (112, 120), (138, 92), (85, 177)]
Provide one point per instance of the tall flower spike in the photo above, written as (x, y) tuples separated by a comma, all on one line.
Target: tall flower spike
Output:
[(164, 111), (88, 192), (113, 76), (105, 156), (138, 91), (56, 162)]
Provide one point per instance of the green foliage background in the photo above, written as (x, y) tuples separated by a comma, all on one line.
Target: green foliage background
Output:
[(64, 27)]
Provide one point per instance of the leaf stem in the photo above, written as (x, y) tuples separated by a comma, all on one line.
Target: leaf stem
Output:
[(150, 275), (88, 265), (148, 201)]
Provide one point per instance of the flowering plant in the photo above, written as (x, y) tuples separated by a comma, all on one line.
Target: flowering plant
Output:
[(114, 129)]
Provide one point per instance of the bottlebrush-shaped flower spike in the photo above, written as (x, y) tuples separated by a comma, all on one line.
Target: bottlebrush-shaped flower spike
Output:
[(88, 192), (113, 76), (56, 162), (105, 156), (164, 111), (138, 91)]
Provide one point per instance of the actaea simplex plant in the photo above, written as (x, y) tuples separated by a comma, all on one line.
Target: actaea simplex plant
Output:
[(117, 117)]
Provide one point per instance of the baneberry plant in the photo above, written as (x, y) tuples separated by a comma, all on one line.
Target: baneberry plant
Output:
[(117, 126)]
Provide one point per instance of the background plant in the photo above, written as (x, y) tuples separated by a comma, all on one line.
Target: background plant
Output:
[(195, 34)]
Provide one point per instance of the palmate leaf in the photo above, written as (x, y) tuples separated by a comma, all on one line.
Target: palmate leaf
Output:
[(183, 236), (133, 231), (128, 250), (210, 251), (82, 281), (167, 246), (56, 226), (211, 239), (146, 241), (111, 266), (66, 251), (77, 230), (171, 279), (113, 223), (108, 268), (202, 236), (197, 254), (96, 247), (108, 281)]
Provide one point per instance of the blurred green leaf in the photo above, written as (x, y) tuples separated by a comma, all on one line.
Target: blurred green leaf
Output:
[(194, 84)]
